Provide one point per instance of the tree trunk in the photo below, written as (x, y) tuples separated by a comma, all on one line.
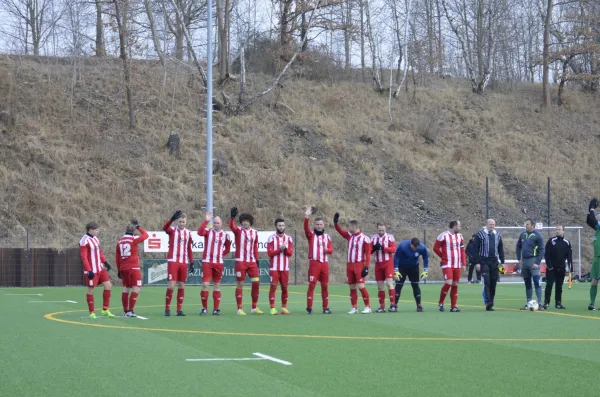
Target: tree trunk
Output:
[(347, 32), (440, 40), (227, 32), (546, 54), (155, 41), (479, 38), (121, 17), (179, 41), (373, 47), (362, 38), (222, 40), (100, 48), (563, 79)]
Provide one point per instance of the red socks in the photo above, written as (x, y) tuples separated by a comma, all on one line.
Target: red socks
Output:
[(168, 298), (105, 299), (310, 294), (255, 289), (238, 297), (325, 296), (90, 301), (392, 293), (272, 291), (125, 301), (444, 292), (365, 296), (204, 299), (353, 297), (180, 294), (454, 295), (284, 295), (133, 300), (217, 299), (381, 296)]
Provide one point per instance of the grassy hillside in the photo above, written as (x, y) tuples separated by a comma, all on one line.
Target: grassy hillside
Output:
[(68, 157)]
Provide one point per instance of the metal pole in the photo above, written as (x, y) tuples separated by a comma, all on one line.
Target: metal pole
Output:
[(27, 259), (579, 251), (548, 201), (487, 198), (209, 106), (295, 261)]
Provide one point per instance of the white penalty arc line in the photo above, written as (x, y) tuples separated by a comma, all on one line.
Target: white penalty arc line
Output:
[(259, 357), (52, 302), (23, 295)]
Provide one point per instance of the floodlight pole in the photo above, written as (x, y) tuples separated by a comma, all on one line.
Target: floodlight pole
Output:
[(209, 106)]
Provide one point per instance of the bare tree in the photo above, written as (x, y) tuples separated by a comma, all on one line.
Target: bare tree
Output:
[(373, 47), (546, 52), (121, 15)]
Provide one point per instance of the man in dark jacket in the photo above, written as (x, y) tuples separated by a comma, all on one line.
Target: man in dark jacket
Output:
[(472, 264), (530, 252), (558, 252), (489, 253)]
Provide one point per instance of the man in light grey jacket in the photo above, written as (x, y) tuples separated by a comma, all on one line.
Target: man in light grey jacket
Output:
[(530, 252)]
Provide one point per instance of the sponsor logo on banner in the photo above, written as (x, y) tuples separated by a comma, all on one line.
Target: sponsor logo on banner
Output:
[(159, 242), (157, 272)]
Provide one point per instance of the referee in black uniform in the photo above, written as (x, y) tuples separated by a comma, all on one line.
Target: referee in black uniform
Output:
[(559, 259), (489, 253)]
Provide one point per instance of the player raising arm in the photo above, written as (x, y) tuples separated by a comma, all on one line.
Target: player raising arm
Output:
[(95, 269), (593, 221), (180, 255), (450, 247), (357, 267), (319, 246), (128, 266), (217, 244), (279, 248), (246, 259), (406, 264), (384, 247)]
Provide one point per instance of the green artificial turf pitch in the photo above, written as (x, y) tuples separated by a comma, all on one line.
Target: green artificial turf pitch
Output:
[(48, 349)]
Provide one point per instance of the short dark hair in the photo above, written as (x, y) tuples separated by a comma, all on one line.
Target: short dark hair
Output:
[(452, 224), (278, 220), (561, 225), (354, 222), (247, 217), (319, 218), (530, 221), (91, 226), (415, 242), (380, 224)]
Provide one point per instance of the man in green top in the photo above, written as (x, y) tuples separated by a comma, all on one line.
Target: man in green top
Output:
[(530, 252), (594, 222)]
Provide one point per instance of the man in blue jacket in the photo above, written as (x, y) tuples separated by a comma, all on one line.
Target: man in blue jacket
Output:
[(530, 252), (406, 264)]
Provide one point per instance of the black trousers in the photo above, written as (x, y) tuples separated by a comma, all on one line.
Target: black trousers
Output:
[(554, 276), (412, 272), (489, 272), (478, 272)]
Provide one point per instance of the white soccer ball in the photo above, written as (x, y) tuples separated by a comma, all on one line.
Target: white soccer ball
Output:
[(532, 305)]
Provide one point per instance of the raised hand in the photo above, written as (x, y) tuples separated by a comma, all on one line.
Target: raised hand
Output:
[(336, 218), (234, 212), (308, 211), (135, 223), (176, 215), (208, 216)]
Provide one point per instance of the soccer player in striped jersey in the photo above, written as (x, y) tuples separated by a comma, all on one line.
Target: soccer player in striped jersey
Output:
[(450, 247), (319, 246), (180, 255), (128, 266), (280, 248), (357, 267), (95, 268), (246, 259), (384, 247), (217, 244)]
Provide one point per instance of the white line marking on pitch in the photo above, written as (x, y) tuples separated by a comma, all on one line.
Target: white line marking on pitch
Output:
[(52, 302), (259, 357), (141, 318), (23, 295)]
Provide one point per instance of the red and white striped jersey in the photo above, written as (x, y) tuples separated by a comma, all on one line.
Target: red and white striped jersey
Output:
[(319, 246), (126, 256), (91, 254), (451, 248), (280, 260), (180, 244), (246, 243), (359, 246), (216, 244), (388, 243)]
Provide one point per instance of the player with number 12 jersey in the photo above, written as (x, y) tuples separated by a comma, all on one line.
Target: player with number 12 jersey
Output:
[(128, 266)]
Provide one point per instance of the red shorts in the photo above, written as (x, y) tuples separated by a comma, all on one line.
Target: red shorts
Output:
[(177, 271), (243, 268), (131, 278), (384, 270), (452, 274), (318, 272), (212, 271), (353, 272), (99, 278), (280, 277)]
